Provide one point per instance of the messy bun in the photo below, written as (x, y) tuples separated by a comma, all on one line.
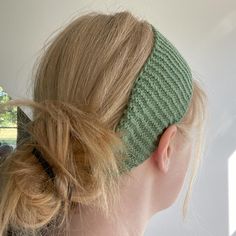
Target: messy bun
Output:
[(80, 149)]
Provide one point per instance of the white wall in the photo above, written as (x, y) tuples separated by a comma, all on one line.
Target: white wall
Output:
[(204, 31)]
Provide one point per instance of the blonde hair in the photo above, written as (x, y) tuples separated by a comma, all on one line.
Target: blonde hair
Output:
[(81, 88)]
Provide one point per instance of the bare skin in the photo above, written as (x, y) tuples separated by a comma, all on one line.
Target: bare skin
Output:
[(155, 186)]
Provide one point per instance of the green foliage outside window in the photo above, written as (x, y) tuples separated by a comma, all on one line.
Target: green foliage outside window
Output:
[(7, 118), (8, 121)]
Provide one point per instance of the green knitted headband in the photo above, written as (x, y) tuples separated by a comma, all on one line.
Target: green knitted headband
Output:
[(160, 97)]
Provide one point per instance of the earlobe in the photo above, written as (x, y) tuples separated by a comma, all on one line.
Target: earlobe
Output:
[(164, 162), (162, 158)]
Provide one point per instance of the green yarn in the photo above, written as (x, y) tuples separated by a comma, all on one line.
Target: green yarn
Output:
[(160, 97)]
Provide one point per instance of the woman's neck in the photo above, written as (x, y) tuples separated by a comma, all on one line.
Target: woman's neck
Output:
[(130, 217)]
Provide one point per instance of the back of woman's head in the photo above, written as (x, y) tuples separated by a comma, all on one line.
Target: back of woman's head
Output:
[(82, 85)]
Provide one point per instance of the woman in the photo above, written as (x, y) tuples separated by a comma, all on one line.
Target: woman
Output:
[(116, 114)]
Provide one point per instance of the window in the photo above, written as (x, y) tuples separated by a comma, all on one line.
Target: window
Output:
[(232, 194), (8, 125)]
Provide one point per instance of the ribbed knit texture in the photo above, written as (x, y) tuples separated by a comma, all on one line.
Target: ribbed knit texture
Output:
[(160, 97)]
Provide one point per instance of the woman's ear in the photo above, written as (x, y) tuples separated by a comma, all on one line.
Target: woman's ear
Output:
[(163, 153)]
